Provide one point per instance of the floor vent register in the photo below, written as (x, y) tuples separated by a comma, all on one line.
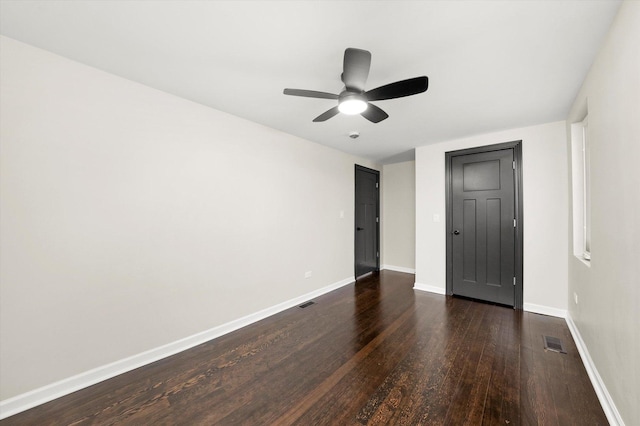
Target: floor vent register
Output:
[(553, 344)]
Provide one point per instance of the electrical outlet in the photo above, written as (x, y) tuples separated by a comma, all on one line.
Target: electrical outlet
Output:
[(307, 274), (575, 297)]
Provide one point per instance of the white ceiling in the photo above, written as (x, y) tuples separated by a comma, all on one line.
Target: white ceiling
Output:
[(491, 64)]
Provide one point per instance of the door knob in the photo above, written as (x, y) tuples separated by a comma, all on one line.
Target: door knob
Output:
[(456, 232), (359, 229)]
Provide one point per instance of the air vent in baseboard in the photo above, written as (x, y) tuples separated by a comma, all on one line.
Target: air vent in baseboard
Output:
[(305, 304), (553, 344)]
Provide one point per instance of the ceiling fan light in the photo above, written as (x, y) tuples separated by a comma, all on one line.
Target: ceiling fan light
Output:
[(352, 106)]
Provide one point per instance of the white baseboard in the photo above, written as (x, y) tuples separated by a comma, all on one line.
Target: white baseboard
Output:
[(399, 269), (544, 310), (529, 307), (429, 288), (25, 401), (604, 397)]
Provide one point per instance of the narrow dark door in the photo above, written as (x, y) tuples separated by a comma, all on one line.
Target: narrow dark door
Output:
[(367, 221), (483, 221)]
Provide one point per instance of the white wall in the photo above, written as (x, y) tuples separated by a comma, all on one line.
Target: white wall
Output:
[(131, 218), (399, 216), (545, 205), (608, 311)]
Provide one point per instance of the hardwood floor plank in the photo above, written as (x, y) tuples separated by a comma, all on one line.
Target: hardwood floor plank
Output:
[(396, 398), (375, 352), (365, 370), (503, 396)]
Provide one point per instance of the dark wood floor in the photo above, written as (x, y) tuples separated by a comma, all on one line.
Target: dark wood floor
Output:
[(375, 352)]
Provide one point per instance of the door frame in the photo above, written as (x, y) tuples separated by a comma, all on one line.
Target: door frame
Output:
[(518, 264), (355, 216)]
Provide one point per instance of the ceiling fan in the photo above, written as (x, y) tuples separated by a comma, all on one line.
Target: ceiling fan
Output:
[(354, 99)]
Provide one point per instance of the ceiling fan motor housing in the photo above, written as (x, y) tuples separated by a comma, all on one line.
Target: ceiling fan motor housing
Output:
[(349, 95)]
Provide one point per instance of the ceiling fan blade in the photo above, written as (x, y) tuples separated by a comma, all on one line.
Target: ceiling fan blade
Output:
[(310, 94), (374, 114), (326, 115), (398, 89), (355, 69)]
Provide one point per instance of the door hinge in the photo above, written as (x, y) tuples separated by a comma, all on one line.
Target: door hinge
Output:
[(376, 184), (513, 164), (515, 223), (514, 280), (377, 220), (377, 254)]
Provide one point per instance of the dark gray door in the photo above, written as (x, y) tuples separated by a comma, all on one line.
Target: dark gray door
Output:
[(366, 221), (483, 221)]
